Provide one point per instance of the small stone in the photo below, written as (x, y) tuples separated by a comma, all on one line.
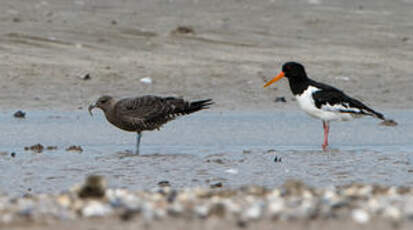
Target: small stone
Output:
[(94, 187), (254, 212), (114, 22), (392, 212), (128, 214), (216, 185), (232, 171), (171, 197), (164, 183), (242, 223), (218, 161), (276, 207), (146, 80), (280, 99), (83, 76), (64, 201), (201, 211), (38, 148), (96, 208), (19, 114), (183, 30), (343, 78), (51, 147), (74, 148), (217, 209), (389, 123)]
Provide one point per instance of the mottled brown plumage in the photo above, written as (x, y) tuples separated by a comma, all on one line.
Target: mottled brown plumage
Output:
[(147, 112)]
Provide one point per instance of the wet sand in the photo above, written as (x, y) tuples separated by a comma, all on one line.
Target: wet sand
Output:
[(177, 224), (202, 150)]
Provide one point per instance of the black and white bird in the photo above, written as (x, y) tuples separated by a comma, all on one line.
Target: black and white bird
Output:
[(145, 113), (321, 100)]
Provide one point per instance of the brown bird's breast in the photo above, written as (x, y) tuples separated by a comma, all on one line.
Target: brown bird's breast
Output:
[(119, 123)]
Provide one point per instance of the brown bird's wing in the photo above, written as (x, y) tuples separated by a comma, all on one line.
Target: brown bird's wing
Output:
[(134, 113), (151, 112)]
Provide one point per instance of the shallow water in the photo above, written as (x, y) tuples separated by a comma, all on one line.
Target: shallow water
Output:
[(234, 148)]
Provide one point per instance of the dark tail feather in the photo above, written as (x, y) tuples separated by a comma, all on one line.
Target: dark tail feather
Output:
[(198, 105), (377, 114), (385, 122)]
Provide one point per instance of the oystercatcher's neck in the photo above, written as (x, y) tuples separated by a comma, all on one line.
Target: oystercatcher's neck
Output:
[(299, 84)]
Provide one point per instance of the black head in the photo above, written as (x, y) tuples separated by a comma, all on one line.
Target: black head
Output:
[(294, 70), (297, 78)]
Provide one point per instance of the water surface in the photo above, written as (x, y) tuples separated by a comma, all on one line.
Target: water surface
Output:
[(234, 148)]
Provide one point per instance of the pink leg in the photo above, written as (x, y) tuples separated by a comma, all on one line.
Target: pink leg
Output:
[(326, 129)]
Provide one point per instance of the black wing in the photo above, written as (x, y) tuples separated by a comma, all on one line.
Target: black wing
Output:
[(332, 99)]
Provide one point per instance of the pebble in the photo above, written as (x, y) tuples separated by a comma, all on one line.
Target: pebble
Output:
[(280, 99), (83, 76), (254, 212), (95, 208), (232, 171), (146, 80), (19, 114), (183, 30), (74, 148), (360, 216), (164, 183), (37, 148), (216, 185), (292, 201)]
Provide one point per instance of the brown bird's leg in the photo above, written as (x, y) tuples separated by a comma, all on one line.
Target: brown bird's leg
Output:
[(326, 129), (138, 142)]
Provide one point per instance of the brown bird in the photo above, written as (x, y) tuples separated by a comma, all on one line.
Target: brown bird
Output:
[(145, 113)]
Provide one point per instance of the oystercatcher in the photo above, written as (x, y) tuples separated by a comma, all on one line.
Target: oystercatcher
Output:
[(321, 100)]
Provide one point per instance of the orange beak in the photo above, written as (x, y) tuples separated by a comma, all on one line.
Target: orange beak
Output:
[(278, 77)]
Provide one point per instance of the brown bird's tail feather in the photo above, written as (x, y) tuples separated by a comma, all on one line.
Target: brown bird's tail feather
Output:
[(198, 105), (185, 107)]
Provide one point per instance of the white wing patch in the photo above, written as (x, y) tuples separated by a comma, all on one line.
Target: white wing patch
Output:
[(343, 108)]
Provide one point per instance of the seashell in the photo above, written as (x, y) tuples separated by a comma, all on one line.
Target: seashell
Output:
[(360, 216), (96, 208)]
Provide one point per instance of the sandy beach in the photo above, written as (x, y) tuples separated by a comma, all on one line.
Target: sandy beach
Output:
[(364, 48)]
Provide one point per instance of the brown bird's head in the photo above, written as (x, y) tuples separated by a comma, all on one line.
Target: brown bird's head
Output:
[(104, 103)]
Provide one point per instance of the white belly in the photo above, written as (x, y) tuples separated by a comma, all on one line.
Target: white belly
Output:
[(306, 103)]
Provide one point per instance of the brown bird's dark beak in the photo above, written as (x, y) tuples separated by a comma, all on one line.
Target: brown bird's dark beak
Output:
[(90, 109)]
